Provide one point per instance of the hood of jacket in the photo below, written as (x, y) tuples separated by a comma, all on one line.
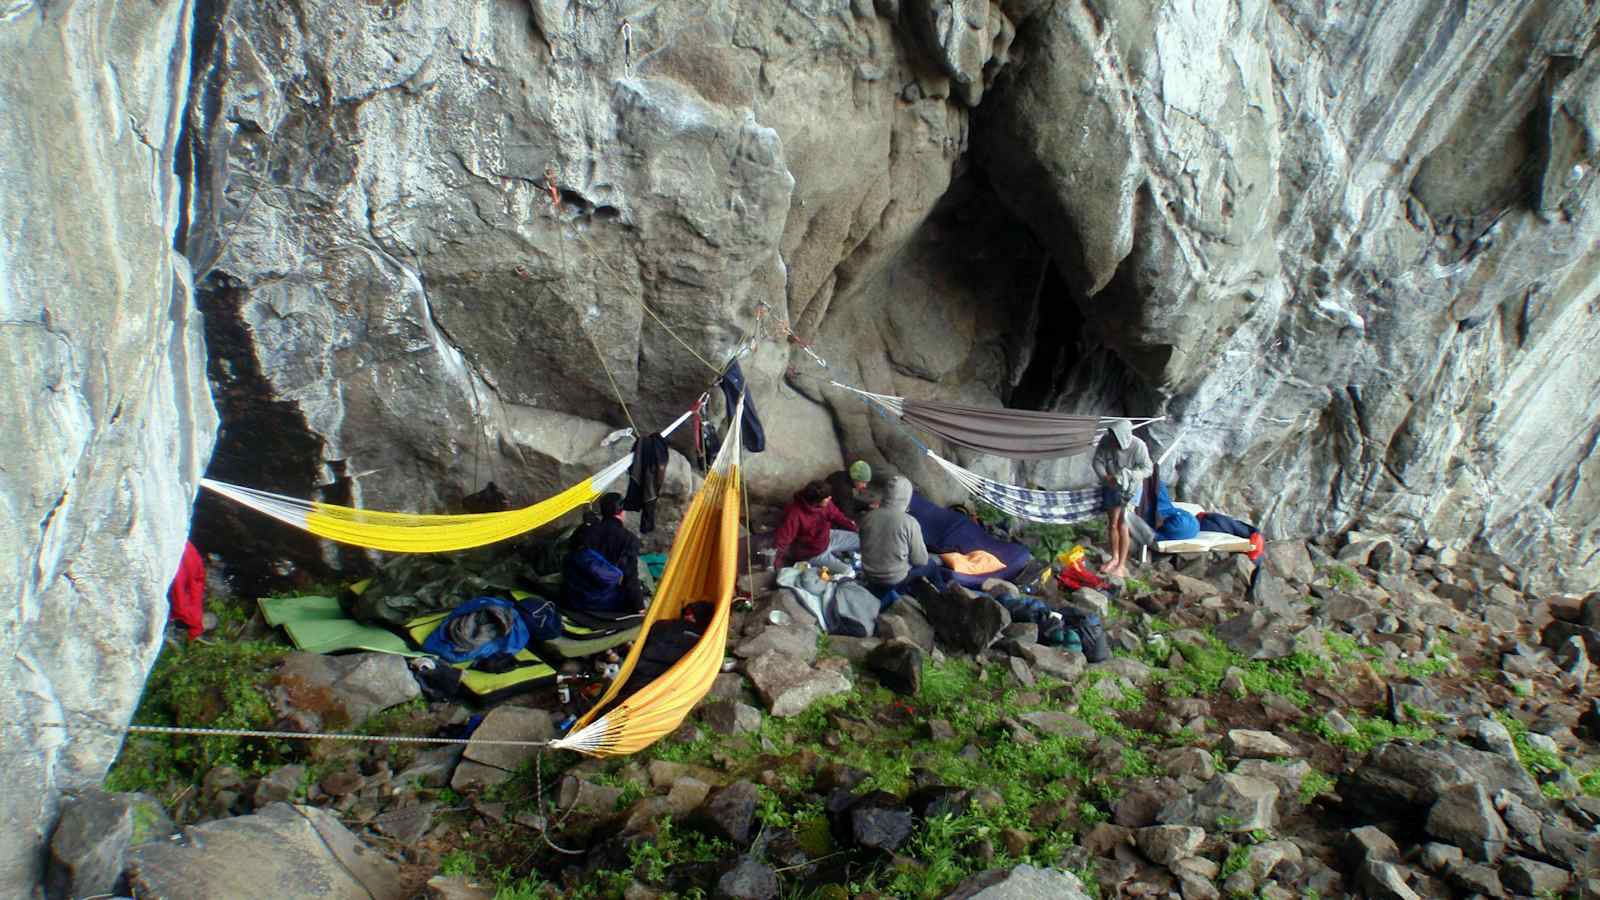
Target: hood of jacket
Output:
[(898, 497), (1123, 430)]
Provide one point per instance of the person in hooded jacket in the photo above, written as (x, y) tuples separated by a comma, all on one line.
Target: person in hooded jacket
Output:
[(1122, 461), (812, 526), (893, 553)]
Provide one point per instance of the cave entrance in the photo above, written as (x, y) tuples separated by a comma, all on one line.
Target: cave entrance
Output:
[(1057, 333)]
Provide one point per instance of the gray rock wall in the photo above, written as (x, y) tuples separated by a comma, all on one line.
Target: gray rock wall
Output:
[(108, 421), (1348, 251)]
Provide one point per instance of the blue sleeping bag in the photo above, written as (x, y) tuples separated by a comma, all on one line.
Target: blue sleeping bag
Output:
[(947, 531), (1178, 525)]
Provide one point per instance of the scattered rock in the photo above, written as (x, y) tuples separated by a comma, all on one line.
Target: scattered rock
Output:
[(581, 795), (1067, 665), (1104, 838), (731, 717), (789, 686), (1475, 878), (729, 812), (1464, 815), (456, 887), (874, 821), (1385, 881), (298, 851), (1399, 778), (1191, 762), (1021, 633), (898, 666), (1022, 882), (281, 785), (1532, 878), (1092, 600), (1193, 588), (406, 824), (1247, 744), (1436, 857), (1059, 724), (89, 847), (1370, 843), (686, 795), (484, 764), (1020, 671), (968, 622), (316, 692), (797, 640), (1230, 802), (905, 620), (854, 649), (1142, 804), (1166, 844), (1257, 635), (748, 880)]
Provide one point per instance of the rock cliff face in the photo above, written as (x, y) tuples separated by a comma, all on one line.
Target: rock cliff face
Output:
[(108, 421), (1349, 251)]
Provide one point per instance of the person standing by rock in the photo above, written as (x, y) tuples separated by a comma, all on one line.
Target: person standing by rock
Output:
[(812, 527), (893, 553), (1122, 461)]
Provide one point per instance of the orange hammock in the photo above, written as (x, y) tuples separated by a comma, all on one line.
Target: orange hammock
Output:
[(701, 567)]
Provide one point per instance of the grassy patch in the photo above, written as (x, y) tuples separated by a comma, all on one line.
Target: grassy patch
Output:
[(1370, 731), (1341, 577), (1315, 784), (199, 684), (1542, 764)]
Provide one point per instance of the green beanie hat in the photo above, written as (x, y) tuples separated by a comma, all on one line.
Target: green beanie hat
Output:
[(860, 471)]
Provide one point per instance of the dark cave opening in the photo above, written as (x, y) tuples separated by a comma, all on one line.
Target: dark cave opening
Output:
[(1057, 330)]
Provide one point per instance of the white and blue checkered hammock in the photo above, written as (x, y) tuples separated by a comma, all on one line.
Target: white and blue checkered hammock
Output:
[(1051, 507)]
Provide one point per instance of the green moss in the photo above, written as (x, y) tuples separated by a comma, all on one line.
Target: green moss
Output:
[(1370, 731)]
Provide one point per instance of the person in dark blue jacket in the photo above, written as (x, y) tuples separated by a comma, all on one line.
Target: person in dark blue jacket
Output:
[(601, 572)]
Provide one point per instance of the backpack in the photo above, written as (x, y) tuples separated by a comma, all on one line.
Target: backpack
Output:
[(590, 581), (1091, 633)]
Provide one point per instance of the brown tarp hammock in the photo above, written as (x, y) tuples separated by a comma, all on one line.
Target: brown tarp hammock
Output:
[(1014, 433)]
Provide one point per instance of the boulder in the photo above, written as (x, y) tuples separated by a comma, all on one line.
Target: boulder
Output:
[(281, 785), (300, 851), (747, 880), (968, 622), (1289, 560), (905, 620), (854, 649), (317, 692), (1022, 882), (89, 847), (731, 717), (1400, 778), (1193, 588), (898, 666), (1369, 842), (1067, 665), (484, 764), (1464, 815), (1385, 881), (406, 824), (1230, 802), (1190, 762), (789, 686), (878, 821), (1257, 635), (1166, 844), (1475, 879), (686, 795), (729, 812), (1060, 724), (582, 795), (1021, 671), (1142, 804), (798, 640), (1247, 744), (455, 887), (1532, 878)]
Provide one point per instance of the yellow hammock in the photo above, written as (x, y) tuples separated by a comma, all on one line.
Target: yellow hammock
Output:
[(701, 567), (418, 532)]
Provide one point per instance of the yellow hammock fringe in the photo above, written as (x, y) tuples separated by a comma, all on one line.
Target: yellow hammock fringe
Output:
[(701, 567)]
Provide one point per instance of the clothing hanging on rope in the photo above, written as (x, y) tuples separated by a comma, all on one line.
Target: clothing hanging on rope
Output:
[(733, 387)]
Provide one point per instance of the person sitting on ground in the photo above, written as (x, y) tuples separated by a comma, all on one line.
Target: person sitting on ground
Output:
[(849, 486), (893, 553), (1122, 461), (812, 527), (601, 571)]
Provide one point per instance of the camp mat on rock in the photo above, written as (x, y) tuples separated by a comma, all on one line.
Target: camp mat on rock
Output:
[(320, 625)]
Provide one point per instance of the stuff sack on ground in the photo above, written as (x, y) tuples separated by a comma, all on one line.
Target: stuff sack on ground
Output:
[(1091, 633), (480, 628), (413, 585)]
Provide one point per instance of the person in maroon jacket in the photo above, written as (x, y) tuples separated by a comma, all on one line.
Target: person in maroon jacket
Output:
[(812, 527)]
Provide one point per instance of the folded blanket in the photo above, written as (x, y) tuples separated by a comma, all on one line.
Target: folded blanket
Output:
[(978, 562)]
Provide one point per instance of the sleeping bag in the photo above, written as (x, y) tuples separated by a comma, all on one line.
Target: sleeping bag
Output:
[(948, 531), (1178, 525)]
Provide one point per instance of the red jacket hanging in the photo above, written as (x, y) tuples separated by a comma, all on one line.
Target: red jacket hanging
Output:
[(188, 592)]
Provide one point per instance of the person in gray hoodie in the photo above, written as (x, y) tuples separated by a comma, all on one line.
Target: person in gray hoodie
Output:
[(892, 550), (1122, 461)]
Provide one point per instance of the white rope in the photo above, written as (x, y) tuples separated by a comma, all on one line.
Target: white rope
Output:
[(288, 735)]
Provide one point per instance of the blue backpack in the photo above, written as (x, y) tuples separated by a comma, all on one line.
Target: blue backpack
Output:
[(590, 581)]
